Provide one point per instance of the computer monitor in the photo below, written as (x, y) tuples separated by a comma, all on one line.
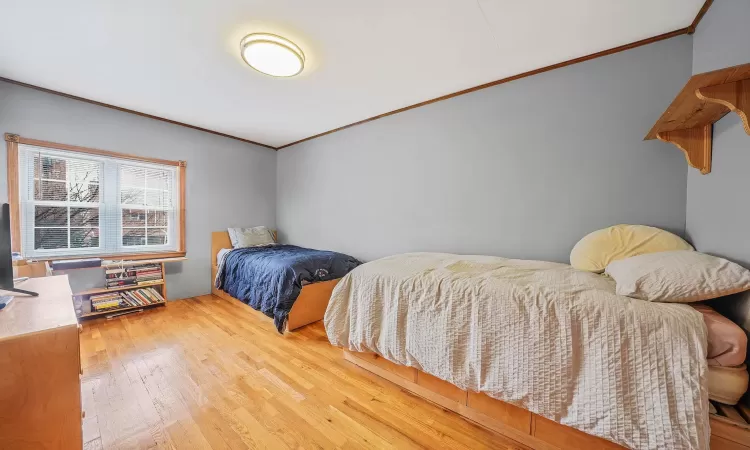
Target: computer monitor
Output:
[(6, 258)]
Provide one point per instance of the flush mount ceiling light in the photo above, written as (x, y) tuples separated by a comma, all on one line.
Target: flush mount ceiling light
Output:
[(272, 55)]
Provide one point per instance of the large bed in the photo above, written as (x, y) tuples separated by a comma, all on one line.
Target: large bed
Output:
[(291, 285), (544, 353)]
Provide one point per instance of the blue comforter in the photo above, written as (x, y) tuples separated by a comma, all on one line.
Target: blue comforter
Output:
[(270, 278)]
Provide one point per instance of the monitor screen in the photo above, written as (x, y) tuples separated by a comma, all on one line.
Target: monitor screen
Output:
[(6, 260)]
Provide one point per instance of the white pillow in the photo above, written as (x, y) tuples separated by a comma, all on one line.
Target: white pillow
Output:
[(680, 276), (250, 237)]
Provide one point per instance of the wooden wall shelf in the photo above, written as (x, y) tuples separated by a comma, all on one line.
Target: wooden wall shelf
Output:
[(706, 98)]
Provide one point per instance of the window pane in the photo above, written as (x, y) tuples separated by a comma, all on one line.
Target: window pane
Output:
[(157, 179), (132, 176), (157, 199), (51, 167), (157, 236), (83, 181), (50, 191), (83, 171), (50, 216), (84, 217), (132, 196), (50, 238), (133, 217), (158, 218), (84, 192), (84, 237), (133, 236)]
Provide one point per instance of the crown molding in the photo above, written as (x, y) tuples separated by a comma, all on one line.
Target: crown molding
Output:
[(132, 111), (699, 17), (570, 62)]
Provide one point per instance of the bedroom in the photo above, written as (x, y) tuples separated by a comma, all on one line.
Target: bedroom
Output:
[(525, 150)]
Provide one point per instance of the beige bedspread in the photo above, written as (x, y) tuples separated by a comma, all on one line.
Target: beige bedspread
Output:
[(540, 335)]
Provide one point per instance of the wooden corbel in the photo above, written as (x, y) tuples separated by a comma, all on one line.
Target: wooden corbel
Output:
[(705, 99), (734, 96), (695, 143)]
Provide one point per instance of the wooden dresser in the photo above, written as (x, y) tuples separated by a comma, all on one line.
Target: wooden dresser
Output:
[(40, 386)]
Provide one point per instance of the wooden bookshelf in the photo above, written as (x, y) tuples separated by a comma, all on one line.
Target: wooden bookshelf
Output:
[(159, 285)]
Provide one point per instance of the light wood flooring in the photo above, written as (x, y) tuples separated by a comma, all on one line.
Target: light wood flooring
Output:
[(208, 373)]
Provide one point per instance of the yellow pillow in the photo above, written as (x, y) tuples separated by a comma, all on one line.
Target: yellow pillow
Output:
[(596, 250)]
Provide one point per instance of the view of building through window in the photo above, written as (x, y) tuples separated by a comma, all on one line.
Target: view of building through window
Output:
[(80, 204)]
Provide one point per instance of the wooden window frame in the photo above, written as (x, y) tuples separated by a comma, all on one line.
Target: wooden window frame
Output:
[(13, 140)]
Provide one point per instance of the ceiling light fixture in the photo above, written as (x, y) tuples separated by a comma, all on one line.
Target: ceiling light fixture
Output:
[(272, 55)]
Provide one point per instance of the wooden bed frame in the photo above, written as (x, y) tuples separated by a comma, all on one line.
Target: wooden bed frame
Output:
[(517, 423), (310, 305)]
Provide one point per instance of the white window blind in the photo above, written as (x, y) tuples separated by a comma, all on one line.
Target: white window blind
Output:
[(75, 204)]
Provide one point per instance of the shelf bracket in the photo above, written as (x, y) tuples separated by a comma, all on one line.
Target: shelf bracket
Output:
[(735, 96), (695, 143)]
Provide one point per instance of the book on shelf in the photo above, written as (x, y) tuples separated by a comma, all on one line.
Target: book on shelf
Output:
[(105, 305), (149, 275), (135, 299), (146, 296), (142, 296), (111, 301), (119, 276), (155, 294), (150, 278)]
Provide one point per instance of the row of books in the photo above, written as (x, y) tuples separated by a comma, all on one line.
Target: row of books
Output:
[(134, 275), (142, 297), (116, 300), (106, 301)]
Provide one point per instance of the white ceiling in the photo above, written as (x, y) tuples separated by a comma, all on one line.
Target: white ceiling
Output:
[(179, 59)]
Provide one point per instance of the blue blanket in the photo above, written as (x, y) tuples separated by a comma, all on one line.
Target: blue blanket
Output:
[(270, 278)]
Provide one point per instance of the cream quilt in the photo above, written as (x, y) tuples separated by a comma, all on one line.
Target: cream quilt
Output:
[(544, 336)]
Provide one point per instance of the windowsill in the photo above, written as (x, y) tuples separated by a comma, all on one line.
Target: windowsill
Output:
[(117, 256)]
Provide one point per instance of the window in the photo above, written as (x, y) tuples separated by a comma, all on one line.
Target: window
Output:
[(64, 203), (79, 203), (145, 202)]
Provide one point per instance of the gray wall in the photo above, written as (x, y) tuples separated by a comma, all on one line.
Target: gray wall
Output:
[(523, 169), (229, 183), (722, 39), (718, 218), (717, 215)]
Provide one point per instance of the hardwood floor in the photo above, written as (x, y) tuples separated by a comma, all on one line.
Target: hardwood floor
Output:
[(208, 373)]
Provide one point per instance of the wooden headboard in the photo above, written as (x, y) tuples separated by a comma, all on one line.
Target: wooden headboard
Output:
[(220, 239)]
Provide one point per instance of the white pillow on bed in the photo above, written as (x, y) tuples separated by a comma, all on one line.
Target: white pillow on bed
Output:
[(680, 276), (250, 237)]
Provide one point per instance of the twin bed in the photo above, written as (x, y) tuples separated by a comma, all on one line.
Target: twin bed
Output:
[(530, 348), (546, 354), (290, 284)]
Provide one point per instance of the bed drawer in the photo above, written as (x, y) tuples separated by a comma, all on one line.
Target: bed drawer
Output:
[(441, 387), (509, 415), (566, 437), (407, 373)]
